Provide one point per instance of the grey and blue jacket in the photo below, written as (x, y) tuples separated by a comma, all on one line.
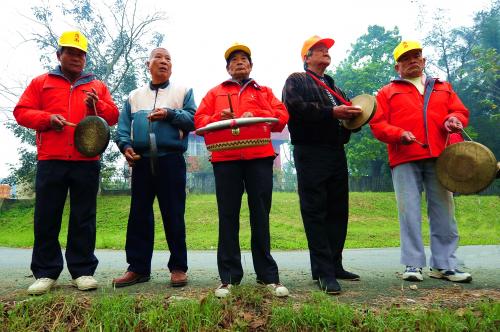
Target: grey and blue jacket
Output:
[(171, 134)]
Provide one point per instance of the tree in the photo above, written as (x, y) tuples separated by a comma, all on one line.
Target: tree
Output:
[(119, 39), (366, 69), (470, 58)]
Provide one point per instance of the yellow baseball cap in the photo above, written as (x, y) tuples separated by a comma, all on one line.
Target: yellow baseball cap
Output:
[(237, 47), (406, 46), (74, 39), (310, 42)]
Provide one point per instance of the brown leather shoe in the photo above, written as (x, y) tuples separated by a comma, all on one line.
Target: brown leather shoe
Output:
[(130, 278), (178, 278)]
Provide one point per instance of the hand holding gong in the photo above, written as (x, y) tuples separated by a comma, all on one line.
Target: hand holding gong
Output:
[(91, 99), (344, 112)]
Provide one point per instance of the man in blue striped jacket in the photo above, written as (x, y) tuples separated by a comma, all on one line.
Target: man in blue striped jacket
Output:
[(152, 134)]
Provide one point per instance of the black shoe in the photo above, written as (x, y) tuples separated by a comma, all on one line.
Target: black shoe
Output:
[(329, 285), (346, 275)]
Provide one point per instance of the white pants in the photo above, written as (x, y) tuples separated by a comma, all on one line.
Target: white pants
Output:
[(409, 180)]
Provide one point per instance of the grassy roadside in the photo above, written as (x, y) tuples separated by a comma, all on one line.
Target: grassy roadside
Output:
[(373, 222), (246, 309)]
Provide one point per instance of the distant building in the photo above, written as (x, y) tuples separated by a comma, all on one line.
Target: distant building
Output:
[(5, 191)]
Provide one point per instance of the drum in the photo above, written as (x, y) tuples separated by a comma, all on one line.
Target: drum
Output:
[(237, 133), (466, 167), (368, 105)]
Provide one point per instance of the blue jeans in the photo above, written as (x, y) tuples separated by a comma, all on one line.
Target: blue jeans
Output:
[(409, 180)]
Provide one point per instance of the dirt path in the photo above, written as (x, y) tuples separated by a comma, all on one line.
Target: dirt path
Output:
[(379, 269)]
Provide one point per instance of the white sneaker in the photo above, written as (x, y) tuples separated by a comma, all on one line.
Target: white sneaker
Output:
[(41, 286), (278, 290), (84, 283), (451, 275), (413, 273), (223, 290)]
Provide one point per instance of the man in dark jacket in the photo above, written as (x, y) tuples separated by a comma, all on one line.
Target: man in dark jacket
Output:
[(154, 124), (318, 138), (63, 95)]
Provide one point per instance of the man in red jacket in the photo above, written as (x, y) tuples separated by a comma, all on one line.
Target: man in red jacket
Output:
[(242, 169), (415, 115), (51, 100)]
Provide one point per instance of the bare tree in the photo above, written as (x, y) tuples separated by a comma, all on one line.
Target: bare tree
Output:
[(119, 37)]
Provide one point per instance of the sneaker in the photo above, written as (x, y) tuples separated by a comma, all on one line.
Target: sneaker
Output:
[(413, 273), (41, 286), (278, 290), (223, 290), (84, 283), (451, 275)]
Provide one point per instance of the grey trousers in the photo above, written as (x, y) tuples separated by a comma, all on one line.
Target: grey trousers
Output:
[(409, 180)]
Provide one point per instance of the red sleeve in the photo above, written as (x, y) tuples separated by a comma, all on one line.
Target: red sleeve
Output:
[(205, 113), (278, 111), (105, 106), (379, 124), (28, 112), (457, 109)]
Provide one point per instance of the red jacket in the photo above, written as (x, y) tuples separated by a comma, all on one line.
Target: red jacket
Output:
[(400, 108), (52, 93), (250, 97)]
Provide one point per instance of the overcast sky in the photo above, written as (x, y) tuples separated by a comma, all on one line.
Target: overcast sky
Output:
[(199, 32)]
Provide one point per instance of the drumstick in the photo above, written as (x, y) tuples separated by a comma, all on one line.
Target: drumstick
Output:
[(420, 143), (67, 123), (230, 103)]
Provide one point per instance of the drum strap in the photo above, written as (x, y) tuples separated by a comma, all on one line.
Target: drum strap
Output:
[(327, 88)]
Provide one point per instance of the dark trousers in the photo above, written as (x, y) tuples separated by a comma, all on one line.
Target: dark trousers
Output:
[(169, 186), (323, 191), (53, 180), (232, 178)]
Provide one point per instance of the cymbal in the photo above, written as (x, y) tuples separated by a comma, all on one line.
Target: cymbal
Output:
[(466, 167), (368, 105)]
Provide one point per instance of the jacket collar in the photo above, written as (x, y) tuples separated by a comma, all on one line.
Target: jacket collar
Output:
[(159, 86), (402, 80), (244, 84), (326, 77), (84, 77)]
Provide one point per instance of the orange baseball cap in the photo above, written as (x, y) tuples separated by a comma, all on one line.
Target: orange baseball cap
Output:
[(310, 42)]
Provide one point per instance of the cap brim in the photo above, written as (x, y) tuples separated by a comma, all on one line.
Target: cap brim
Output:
[(328, 42), (73, 46)]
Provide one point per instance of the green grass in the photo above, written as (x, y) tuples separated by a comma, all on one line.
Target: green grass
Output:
[(373, 222), (247, 308)]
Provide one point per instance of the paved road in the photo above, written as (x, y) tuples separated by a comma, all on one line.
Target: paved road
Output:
[(379, 269)]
